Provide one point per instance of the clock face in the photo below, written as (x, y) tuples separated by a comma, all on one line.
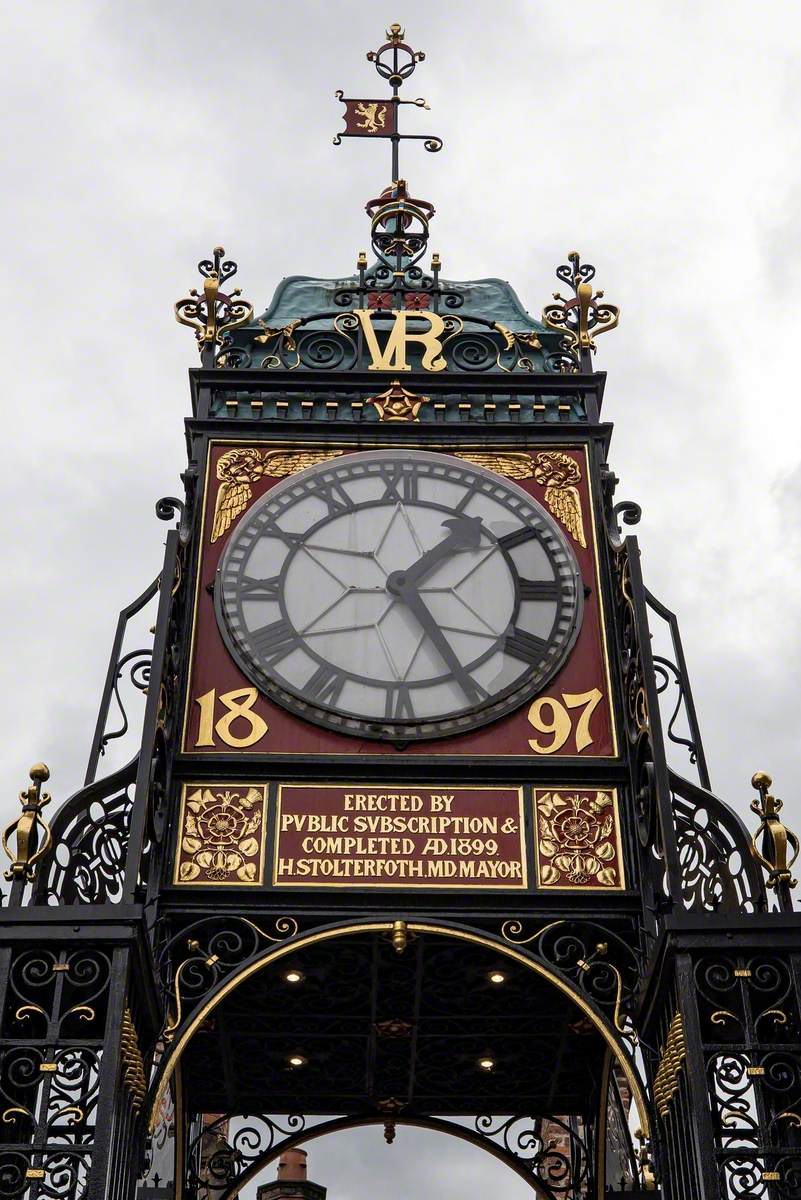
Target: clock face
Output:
[(398, 594)]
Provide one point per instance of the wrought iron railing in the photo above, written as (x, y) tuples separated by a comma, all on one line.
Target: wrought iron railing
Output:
[(718, 873), (90, 841)]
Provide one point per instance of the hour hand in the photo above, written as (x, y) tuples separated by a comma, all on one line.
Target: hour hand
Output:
[(464, 534)]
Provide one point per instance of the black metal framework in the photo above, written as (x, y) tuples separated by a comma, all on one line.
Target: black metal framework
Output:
[(687, 851), (532, 1026)]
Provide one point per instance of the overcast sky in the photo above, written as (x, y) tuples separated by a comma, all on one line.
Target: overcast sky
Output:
[(662, 140)]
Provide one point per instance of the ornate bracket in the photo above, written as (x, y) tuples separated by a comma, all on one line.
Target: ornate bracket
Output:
[(30, 847), (213, 313), (583, 316), (776, 836)]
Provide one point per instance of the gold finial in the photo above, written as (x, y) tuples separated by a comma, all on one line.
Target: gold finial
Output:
[(775, 861), (583, 316), (29, 846), (395, 34), (215, 312), (361, 261), (400, 936)]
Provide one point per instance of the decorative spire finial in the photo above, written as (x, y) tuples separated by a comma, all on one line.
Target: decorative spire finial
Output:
[(776, 837), (33, 838), (395, 61), (583, 316), (214, 312)]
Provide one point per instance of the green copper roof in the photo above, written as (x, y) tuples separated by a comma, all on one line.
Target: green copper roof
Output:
[(300, 296)]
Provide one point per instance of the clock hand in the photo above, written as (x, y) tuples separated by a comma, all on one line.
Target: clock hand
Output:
[(465, 534), (410, 596)]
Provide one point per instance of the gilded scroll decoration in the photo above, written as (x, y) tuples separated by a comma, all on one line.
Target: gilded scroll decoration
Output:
[(584, 315), (214, 312), (222, 835), (207, 951), (598, 962), (239, 469), (578, 839)]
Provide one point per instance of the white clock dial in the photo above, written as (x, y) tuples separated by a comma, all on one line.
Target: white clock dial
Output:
[(398, 594)]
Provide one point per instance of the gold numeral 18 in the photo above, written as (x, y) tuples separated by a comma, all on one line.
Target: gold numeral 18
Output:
[(239, 706), (550, 716)]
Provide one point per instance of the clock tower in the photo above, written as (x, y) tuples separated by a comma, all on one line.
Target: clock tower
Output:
[(420, 830)]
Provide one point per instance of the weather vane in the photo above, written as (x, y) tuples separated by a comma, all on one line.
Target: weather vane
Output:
[(395, 61)]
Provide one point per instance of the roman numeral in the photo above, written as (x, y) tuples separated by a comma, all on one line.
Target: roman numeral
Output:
[(292, 540), (510, 540), (274, 641), (399, 703), (401, 485), (523, 645), (261, 588), (325, 685), (538, 589), (333, 496)]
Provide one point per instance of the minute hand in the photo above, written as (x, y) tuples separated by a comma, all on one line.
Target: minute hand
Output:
[(465, 534), (414, 602)]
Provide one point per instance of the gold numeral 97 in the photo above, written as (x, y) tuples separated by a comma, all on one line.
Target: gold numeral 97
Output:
[(551, 717), (239, 707)]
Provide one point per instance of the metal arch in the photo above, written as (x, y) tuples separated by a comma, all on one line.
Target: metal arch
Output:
[(184, 1033), (435, 1124)]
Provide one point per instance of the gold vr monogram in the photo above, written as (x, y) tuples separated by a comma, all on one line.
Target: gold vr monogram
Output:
[(393, 355)]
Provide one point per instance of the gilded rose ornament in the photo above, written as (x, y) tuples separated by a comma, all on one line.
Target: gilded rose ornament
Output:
[(578, 842), (222, 835)]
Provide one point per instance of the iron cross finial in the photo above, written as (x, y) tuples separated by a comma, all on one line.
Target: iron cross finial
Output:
[(395, 61)]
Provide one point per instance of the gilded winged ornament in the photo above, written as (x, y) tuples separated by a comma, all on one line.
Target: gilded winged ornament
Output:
[(560, 473), (514, 465), (238, 470)]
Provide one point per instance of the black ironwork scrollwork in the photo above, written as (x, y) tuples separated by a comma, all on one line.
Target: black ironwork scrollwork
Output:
[(170, 507), (550, 1147), (584, 315), (90, 839), (596, 960), (223, 1150), (192, 962), (212, 313), (717, 871), (667, 674), (52, 1025), (750, 1022)]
